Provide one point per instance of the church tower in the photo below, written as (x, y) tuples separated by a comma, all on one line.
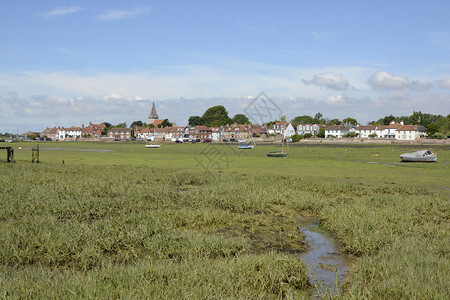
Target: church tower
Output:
[(153, 115)]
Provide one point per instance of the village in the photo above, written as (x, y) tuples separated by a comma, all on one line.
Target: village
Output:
[(227, 133)]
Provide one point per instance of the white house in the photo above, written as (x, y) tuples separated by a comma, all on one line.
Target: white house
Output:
[(388, 131), (71, 132), (280, 127), (338, 130), (216, 133), (308, 128), (365, 131), (410, 132), (289, 130)]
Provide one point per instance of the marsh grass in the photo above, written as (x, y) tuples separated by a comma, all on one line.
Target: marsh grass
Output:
[(120, 230)]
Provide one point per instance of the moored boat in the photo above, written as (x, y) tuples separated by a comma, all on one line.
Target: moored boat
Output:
[(419, 156), (276, 154), (152, 146), (246, 146)]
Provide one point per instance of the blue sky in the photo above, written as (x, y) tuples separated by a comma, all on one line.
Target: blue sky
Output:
[(71, 62)]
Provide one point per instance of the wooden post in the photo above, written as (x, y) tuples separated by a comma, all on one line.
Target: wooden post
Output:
[(35, 154), (10, 154)]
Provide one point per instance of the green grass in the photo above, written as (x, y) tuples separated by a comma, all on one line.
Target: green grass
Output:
[(152, 223)]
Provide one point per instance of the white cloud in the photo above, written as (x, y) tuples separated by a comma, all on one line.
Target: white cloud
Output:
[(330, 80), (384, 81), (119, 14), (419, 86), (444, 83), (61, 11), (335, 99)]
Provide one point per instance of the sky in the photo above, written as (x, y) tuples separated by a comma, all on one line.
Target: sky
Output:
[(65, 63)]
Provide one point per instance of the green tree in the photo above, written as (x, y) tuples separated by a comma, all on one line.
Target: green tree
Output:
[(121, 125), (296, 137), (283, 119), (195, 120), (318, 118), (302, 120), (334, 122), (137, 124), (321, 133), (350, 121), (240, 119), (164, 124), (216, 113), (432, 129)]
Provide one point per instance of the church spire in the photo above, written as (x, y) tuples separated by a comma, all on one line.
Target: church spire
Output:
[(153, 115)]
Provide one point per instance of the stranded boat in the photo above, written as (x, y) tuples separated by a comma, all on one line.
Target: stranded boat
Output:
[(154, 145), (419, 156), (245, 146), (276, 154)]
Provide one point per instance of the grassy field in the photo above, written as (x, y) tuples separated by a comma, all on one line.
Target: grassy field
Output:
[(205, 221)]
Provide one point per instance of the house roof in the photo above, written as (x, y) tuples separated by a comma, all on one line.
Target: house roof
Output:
[(411, 128), (366, 127), (337, 127), (158, 122)]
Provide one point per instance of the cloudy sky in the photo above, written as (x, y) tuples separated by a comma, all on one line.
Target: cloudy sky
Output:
[(71, 62)]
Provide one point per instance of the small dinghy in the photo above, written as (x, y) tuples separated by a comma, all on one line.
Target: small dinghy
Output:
[(419, 156), (245, 146), (154, 145), (276, 154)]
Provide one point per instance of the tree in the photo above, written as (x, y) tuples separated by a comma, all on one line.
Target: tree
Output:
[(334, 122), (296, 137), (432, 129), (107, 124), (164, 124), (318, 118), (121, 125), (216, 113), (137, 124), (321, 133), (195, 120), (350, 121), (283, 119), (240, 119), (302, 120)]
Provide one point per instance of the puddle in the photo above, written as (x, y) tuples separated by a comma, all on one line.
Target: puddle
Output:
[(323, 257)]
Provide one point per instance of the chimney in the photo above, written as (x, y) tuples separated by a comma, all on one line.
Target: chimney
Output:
[(82, 125)]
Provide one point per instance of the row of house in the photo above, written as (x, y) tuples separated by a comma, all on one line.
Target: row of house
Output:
[(228, 132), (394, 130), (397, 131)]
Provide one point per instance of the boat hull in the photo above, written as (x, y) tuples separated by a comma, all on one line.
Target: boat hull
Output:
[(246, 147), (151, 146), (419, 159), (276, 154), (419, 156)]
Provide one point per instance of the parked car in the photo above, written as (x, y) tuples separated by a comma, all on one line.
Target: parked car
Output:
[(233, 140), (207, 141), (178, 141), (225, 140)]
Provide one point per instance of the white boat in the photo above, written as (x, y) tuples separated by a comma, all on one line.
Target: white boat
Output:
[(419, 156), (154, 145), (247, 145)]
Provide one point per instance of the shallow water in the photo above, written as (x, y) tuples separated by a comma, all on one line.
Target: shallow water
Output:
[(323, 257)]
